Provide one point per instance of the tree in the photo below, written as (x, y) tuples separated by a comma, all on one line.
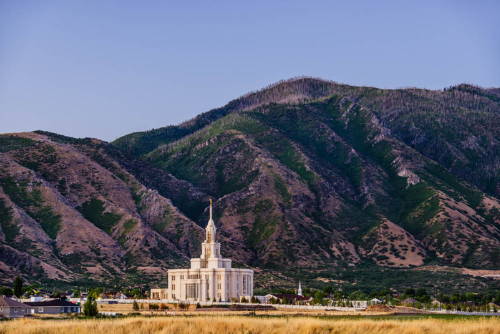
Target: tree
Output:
[(18, 287), (358, 295), (31, 290), (96, 292), (318, 297), (135, 293), (4, 291), (135, 306), (76, 293), (410, 292), (57, 294), (90, 306)]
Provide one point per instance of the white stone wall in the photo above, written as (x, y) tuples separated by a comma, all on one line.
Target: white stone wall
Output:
[(211, 284)]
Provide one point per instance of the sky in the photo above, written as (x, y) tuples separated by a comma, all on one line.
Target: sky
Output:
[(103, 69)]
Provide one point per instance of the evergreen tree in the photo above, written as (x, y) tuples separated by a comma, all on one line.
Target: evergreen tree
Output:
[(18, 287), (135, 306)]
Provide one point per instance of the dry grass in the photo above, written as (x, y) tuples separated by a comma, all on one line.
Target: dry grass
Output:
[(121, 308), (230, 325)]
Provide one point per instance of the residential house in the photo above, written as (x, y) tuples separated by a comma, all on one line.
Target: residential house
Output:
[(54, 306), (408, 302), (263, 299), (121, 295), (10, 308)]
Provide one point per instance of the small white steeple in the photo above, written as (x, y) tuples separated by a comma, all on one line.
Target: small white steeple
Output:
[(210, 229), (299, 290)]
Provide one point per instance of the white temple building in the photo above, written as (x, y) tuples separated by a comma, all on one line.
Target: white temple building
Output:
[(210, 277)]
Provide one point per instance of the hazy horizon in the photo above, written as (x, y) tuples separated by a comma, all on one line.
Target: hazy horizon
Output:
[(92, 69)]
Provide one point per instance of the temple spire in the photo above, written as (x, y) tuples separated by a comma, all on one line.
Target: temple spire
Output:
[(210, 229)]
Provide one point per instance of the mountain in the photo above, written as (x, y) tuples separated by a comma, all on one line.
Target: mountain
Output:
[(310, 178)]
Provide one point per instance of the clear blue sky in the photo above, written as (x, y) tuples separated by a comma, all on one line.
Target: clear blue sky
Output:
[(106, 68)]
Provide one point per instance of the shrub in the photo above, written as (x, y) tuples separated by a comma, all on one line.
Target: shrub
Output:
[(183, 306)]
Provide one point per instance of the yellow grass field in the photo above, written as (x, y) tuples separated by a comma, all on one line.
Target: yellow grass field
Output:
[(250, 325)]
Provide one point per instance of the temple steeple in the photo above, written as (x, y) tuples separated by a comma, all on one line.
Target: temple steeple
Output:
[(210, 230), (210, 248), (299, 290)]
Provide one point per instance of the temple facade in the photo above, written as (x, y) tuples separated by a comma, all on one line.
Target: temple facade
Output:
[(210, 278)]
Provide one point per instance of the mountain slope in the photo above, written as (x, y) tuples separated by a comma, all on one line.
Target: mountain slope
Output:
[(311, 183), (75, 212)]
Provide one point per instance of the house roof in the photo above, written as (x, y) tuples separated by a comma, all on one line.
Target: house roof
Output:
[(8, 302), (53, 302), (409, 300)]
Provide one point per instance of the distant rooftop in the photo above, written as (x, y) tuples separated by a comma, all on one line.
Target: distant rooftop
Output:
[(9, 302), (53, 302)]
